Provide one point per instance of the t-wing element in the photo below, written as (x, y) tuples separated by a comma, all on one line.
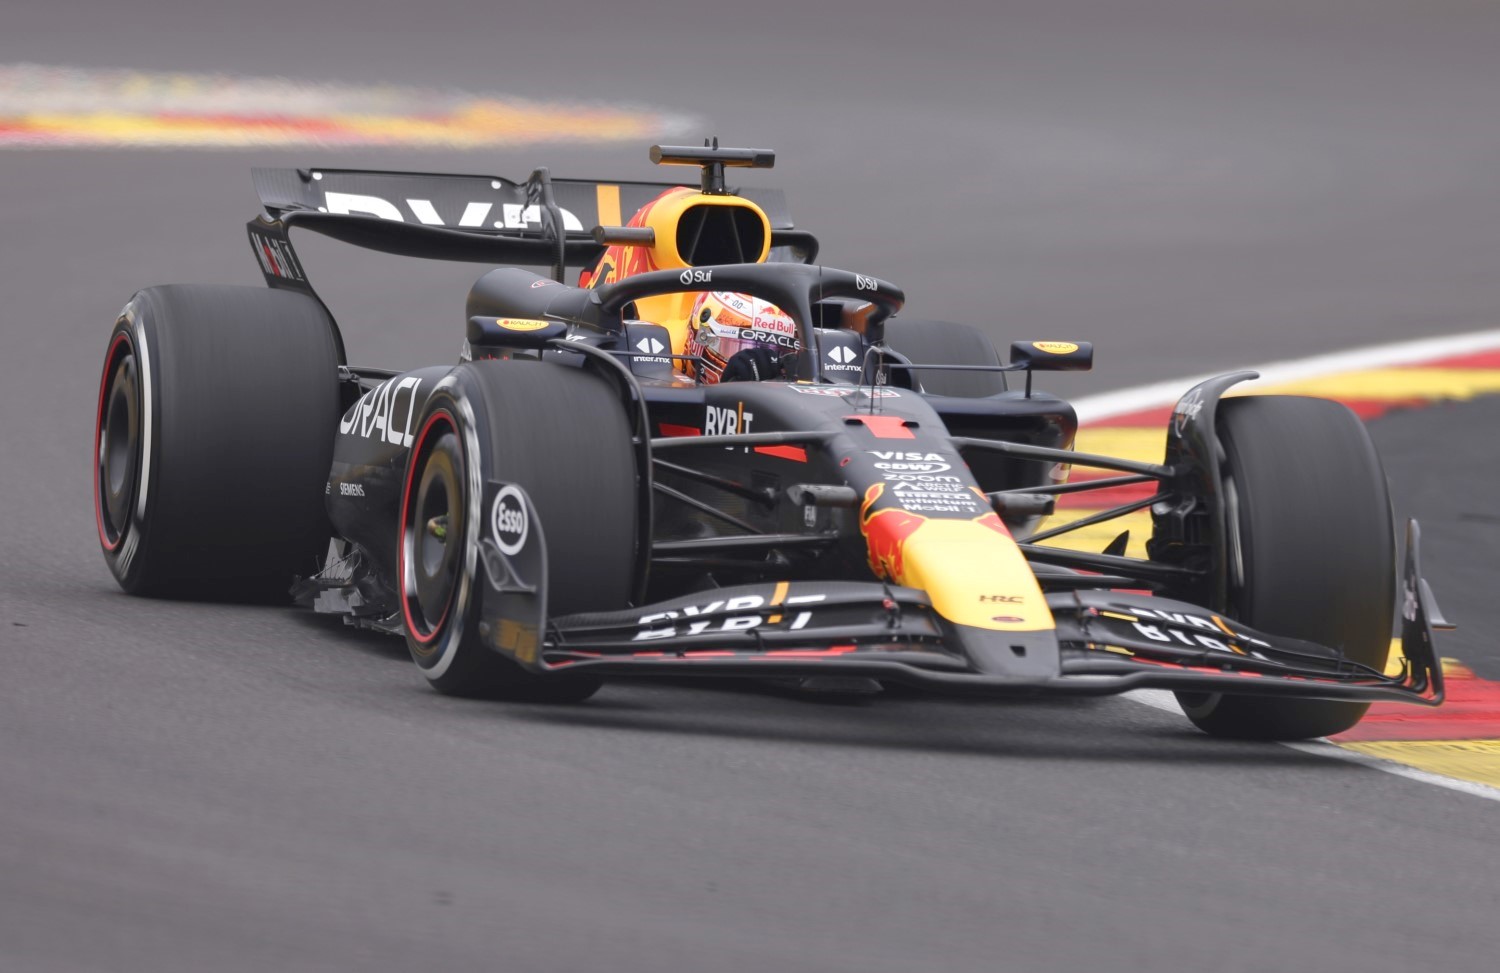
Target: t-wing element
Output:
[(712, 159)]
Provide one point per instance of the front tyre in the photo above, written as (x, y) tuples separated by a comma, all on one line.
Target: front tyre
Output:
[(1311, 552), (562, 435)]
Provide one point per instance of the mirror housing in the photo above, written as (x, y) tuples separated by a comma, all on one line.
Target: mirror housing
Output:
[(484, 330), (1052, 356)]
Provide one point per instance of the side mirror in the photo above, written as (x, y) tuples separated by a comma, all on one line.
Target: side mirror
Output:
[(512, 332), (1052, 356)]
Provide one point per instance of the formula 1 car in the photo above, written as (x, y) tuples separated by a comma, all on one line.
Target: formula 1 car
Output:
[(569, 502)]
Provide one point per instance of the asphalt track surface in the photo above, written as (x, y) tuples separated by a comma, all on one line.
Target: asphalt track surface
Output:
[(207, 787)]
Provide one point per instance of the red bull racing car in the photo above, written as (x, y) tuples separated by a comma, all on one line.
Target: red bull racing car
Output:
[(712, 456)]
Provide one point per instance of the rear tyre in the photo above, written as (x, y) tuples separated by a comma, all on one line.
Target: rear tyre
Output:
[(947, 343), (213, 440), (1311, 553), (563, 436)]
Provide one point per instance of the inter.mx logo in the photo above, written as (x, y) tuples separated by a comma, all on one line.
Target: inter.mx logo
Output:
[(842, 355), (651, 351)]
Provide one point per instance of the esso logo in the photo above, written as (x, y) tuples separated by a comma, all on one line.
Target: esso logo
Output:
[(508, 521)]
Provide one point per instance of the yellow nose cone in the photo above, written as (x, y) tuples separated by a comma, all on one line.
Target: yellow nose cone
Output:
[(972, 570)]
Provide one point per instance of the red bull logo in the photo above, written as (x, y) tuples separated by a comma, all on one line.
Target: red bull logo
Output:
[(770, 319), (886, 533), (994, 523), (970, 567)]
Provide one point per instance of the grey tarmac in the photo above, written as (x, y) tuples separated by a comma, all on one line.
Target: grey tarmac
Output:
[(193, 786)]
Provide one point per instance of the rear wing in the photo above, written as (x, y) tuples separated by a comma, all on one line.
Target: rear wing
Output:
[(481, 219), (542, 222)]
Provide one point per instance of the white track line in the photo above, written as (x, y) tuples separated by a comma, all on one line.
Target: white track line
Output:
[(1092, 408), (1322, 748), (1107, 405), (1163, 699)]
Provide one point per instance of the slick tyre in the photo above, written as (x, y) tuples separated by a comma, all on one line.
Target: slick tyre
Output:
[(563, 436), (947, 343), (1311, 552), (212, 441)]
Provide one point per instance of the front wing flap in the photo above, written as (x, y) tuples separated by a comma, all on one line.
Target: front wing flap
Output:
[(1108, 642)]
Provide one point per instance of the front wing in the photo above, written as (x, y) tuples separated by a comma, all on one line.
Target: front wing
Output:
[(1104, 642)]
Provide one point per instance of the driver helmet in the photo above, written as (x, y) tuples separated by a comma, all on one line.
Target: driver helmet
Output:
[(723, 324)]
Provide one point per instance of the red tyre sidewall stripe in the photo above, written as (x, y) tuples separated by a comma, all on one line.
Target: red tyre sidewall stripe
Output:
[(441, 415), (121, 338)]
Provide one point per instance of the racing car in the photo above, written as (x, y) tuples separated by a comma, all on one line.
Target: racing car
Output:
[(590, 491)]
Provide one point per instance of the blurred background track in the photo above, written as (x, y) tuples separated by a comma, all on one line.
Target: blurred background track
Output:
[(1192, 186)]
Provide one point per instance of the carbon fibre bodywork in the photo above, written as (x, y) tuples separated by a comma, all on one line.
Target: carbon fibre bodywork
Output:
[(804, 526), (839, 519)]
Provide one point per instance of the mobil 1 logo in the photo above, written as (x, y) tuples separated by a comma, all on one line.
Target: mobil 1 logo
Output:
[(937, 497)]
